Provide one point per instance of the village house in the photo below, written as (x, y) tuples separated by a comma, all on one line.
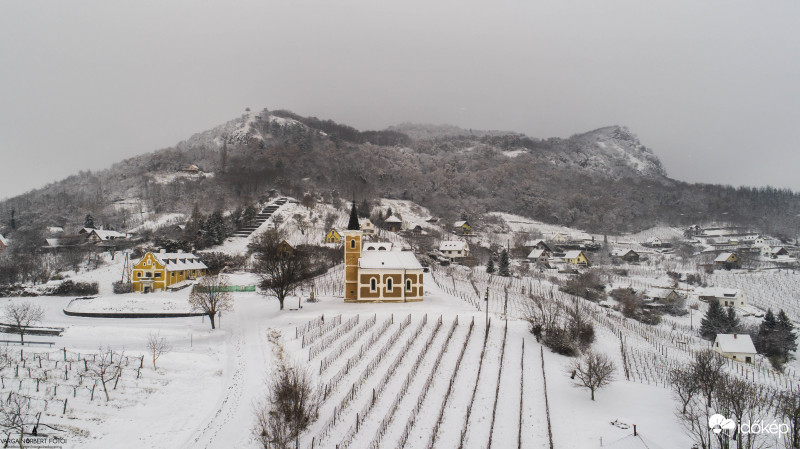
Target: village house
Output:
[(539, 255), (537, 244), (192, 170), (375, 272), (728, 261), (366, 226), (333, 236), (392, 223), (559, 238), (158, 271), (724, 296), (455, 250), (416, 229), (628, 255), (100, 235), (3, 242), (776, 251), (576, 257), (665, 296), (655, 242), (737, 347), (462, 227), (285, 249)]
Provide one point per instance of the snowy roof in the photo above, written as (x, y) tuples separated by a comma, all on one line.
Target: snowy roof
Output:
[(390, 260), (393, 219), (735, 343), (55, 229), (723, 257), (622, 252), (536, 242), (574, 254), (3, 240), (718, 292), (378, 246), (52, 242), (105, 235), (658, 293), (536, 253), (180, 261), (458, 224), (453, 245)]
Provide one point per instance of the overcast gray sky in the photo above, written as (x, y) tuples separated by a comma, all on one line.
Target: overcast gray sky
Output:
[(713, 87)]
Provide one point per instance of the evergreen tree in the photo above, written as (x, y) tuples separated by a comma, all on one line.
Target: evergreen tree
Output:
[(766, 333), (490, 266), (732, 324), (463, 216), (364, 209), (505, 264), (88, 222), (353, 225), (715, 321), (786, 339), (389, 213)]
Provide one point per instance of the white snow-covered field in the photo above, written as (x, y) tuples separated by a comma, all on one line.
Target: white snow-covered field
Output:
[(202, 394)]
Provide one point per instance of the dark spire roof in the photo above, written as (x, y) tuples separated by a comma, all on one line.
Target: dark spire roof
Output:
[(353, 225)]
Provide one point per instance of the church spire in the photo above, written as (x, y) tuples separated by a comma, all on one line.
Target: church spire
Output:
[(353, 224)]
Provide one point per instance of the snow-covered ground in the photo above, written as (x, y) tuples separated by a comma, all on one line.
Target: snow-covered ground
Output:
[(203, 392)]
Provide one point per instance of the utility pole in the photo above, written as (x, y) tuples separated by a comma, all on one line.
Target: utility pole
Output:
[(486, 299)]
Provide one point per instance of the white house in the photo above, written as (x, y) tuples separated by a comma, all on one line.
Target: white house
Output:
[(538, 255), (101, 235), (725, 296), (737, 347), (454, 249), (366, 226), (3, 242), (655, 242)]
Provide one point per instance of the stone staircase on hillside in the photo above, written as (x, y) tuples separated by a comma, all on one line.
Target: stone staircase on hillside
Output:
[(264, 215)]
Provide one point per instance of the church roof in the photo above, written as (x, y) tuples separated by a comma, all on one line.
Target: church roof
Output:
[(394, 260)]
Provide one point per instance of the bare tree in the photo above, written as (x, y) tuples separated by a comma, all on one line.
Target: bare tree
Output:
[(788, 408), (684, 386), (290, 406), (15, 414), (22, 315), (281, 271), (593, 371), (104, 369), (157, 345), (211, 295)]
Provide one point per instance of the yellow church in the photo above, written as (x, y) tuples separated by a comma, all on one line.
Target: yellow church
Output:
[(377, 272), (157, 271)]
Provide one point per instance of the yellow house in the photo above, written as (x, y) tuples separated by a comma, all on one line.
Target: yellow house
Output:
[(576, 257), (157, 271), (462, 227), (728, 260), (333, 236)]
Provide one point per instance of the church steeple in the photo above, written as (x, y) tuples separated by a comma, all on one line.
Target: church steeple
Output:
[(353, 225)]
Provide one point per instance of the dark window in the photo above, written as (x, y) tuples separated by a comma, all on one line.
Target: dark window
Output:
[(389, 284), (353, 243), (373, 284), (408, 285)]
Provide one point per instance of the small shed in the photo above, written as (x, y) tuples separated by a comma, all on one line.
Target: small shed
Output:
[(737, 347)]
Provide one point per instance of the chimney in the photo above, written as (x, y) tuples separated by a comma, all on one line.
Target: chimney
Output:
[(634, 430)]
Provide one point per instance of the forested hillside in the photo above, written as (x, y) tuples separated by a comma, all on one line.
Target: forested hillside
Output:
[(602, 181)]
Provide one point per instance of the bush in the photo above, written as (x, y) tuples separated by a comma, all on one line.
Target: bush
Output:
[(216, 261), (70, 288), (122, 287)]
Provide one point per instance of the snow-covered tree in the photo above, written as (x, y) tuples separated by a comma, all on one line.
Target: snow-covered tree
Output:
[(210, 295), (505, 264), (22, 315), (593, 371), (157, 345)]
